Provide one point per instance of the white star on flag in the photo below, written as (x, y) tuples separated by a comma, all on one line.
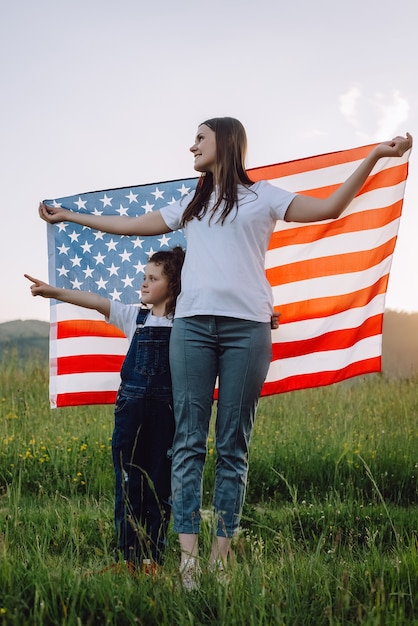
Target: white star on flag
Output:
[(132, 197), (106, 201)]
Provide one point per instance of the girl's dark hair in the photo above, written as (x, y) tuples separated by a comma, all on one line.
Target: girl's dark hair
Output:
[(172, 262), (231, 150)]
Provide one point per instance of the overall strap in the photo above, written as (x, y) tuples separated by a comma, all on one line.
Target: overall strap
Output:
[(142, 316)]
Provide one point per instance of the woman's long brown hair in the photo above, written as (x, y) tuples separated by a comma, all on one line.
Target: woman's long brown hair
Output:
[(231, 150)]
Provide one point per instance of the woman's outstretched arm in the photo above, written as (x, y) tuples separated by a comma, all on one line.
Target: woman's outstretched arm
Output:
[(309, 209), (147, 224)]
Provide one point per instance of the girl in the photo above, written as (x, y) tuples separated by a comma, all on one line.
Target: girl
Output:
[(221, 326), (144, 423)]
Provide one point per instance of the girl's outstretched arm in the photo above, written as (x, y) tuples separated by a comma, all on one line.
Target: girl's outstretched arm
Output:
[(85, 299), (309, 209), (147, 224)]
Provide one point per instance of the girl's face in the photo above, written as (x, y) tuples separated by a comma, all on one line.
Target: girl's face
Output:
[(154, 289), (204, 150)]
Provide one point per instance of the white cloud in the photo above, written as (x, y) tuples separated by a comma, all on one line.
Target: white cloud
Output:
[(348, 105), (314, 132), (393, 113), (376, 117)]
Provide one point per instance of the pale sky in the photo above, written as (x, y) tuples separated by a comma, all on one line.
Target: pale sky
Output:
[(98, 94)]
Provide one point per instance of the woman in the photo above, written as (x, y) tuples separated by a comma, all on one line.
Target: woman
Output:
[(222, 322)]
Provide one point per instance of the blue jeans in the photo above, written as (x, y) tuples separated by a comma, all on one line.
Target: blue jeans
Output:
[(238, 352)]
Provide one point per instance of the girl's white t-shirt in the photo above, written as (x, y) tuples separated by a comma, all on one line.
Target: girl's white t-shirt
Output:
[(124, 316), (223, 272)]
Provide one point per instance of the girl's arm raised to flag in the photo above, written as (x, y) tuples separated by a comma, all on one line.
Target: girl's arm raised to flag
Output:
[(148, 224), (86, 299), (309, 209)]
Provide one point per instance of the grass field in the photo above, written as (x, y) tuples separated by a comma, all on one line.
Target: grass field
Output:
[(329, 532)]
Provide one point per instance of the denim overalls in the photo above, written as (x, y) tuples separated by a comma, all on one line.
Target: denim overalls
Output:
[(141, 445)]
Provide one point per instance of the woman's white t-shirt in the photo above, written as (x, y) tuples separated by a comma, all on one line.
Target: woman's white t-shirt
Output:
[(223, 272)]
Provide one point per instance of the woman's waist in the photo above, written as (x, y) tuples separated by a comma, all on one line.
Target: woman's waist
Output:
[(239, 306)]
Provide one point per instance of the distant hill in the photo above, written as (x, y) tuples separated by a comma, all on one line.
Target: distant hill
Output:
[(23, 329), (24, 339), (400, 342)]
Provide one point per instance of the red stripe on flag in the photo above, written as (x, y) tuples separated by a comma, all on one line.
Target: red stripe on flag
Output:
[(322, 307), (320, 379), (85, 397), (357, 222), (87, 328), (289, 168), (330, 265), (386, 178), (332, 340), (86, 363)]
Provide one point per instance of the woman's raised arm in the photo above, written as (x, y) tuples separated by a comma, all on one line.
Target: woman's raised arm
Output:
[(147, 224), (309, 209)]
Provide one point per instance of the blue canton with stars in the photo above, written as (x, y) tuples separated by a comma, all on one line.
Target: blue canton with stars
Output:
[(110, 265)]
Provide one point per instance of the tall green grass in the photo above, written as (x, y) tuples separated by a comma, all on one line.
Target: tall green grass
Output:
[(329, 532)]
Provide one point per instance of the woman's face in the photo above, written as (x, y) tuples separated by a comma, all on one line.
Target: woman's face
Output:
[(204, 149)]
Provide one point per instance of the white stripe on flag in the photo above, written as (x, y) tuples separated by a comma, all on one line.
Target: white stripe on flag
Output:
[(315, 327), (328, 361), (328, 286), (93, 381), (338, 244), (77, 346)]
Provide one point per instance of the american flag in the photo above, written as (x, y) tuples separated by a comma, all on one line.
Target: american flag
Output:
[(329, 279)]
